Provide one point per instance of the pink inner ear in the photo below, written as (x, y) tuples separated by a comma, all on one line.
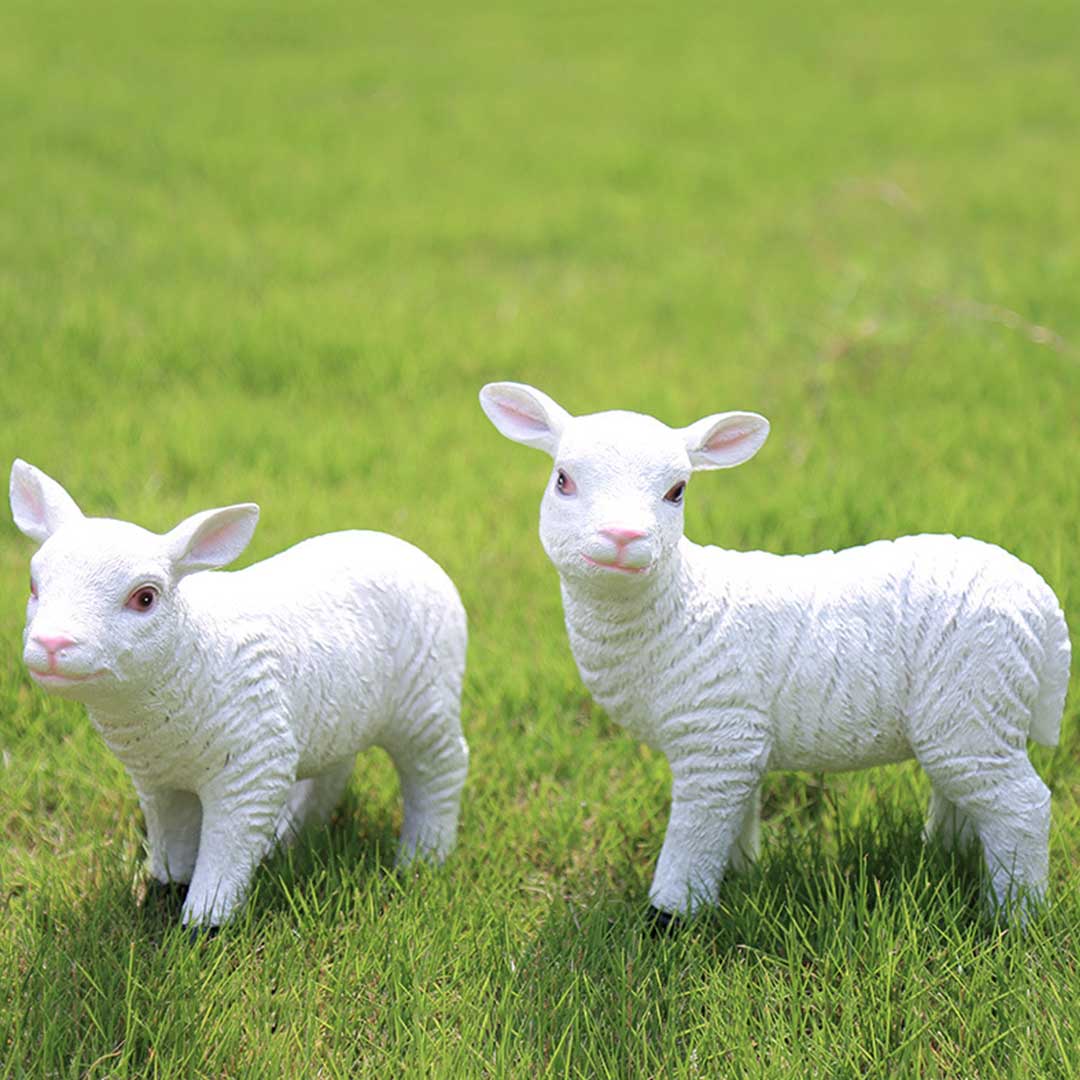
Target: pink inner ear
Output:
[(209, 542), (726, 438), (34, 499), (518, 414)]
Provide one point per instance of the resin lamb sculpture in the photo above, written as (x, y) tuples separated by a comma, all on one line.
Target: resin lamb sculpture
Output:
[(732, 663), (238, 701)]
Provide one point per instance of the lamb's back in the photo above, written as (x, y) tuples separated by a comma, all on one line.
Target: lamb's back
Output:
[(344, 625), (341, 579), (847, 649)]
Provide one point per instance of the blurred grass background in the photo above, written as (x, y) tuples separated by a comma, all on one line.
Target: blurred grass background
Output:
[(271, 252)]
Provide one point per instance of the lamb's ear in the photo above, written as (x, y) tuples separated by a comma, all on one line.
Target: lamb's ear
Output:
[(726, 439), (211, 539), (525, 414), (39, 504)]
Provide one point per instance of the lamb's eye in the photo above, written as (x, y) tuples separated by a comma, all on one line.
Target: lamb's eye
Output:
[(675, 495), (142, 599), (563, 484)]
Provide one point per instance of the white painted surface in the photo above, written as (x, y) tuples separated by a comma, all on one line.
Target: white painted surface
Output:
[(238, 701), (948, 650)]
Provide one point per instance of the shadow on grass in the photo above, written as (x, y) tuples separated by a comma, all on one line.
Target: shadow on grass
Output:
[(100, 952), (882, 870), (869, 933), (325, 863), (831, 929), (808, 905), (119, 906)]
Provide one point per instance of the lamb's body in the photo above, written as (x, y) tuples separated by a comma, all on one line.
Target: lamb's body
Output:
[(238, 701), (948, 650), (342, 642), (849, 656), (733, 664), (293, 666)]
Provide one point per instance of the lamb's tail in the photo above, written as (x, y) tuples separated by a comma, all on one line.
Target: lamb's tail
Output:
[(1054, 679)]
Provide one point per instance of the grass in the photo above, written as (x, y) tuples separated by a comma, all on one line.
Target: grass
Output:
[(271, 252)]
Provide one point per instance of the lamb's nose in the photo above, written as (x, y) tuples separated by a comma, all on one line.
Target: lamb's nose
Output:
[(53, 643), (620, 534)]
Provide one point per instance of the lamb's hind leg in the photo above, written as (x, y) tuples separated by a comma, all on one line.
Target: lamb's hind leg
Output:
[(947, 824), (1008, 806), (1016, 839), (432, 759)]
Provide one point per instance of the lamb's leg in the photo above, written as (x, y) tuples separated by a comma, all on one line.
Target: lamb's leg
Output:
[(711, 797), (1009, 807), (1016, 842), (311, 801), (431, 759), (173, 821), (947, 824), (747, 846), (240, 812)]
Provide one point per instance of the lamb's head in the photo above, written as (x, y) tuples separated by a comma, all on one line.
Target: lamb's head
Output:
[(103, 613), (613, 509)]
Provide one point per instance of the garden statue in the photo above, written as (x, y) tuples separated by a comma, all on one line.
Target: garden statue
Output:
[(948, 650), (238, 701)]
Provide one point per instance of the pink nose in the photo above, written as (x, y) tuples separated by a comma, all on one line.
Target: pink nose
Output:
[(53, 644), (620, 534)]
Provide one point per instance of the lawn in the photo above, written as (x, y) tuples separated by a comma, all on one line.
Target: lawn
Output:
[(271, 251)]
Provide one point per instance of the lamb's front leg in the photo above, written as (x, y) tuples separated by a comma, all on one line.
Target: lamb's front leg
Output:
[(747, 846), (713, 800), (173, 821), (240, 811), (313, 800)]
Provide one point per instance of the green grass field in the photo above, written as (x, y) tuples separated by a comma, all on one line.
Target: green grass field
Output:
[(271, 251)]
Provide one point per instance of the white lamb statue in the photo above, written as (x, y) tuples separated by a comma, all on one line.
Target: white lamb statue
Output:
[(948, 650), (238, 701)]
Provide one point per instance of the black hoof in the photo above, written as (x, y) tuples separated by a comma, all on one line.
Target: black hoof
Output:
[(196, 934), (663, 923)]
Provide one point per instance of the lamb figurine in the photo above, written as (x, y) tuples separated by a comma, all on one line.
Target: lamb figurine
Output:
[(238, 701), (948, 650)]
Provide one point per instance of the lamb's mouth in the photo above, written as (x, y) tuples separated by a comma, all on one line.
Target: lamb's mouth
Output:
[(55, 678), (616, 566)]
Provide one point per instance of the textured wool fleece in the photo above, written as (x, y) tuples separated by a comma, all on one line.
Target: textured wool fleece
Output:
[(731, 663), (238, 701)]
